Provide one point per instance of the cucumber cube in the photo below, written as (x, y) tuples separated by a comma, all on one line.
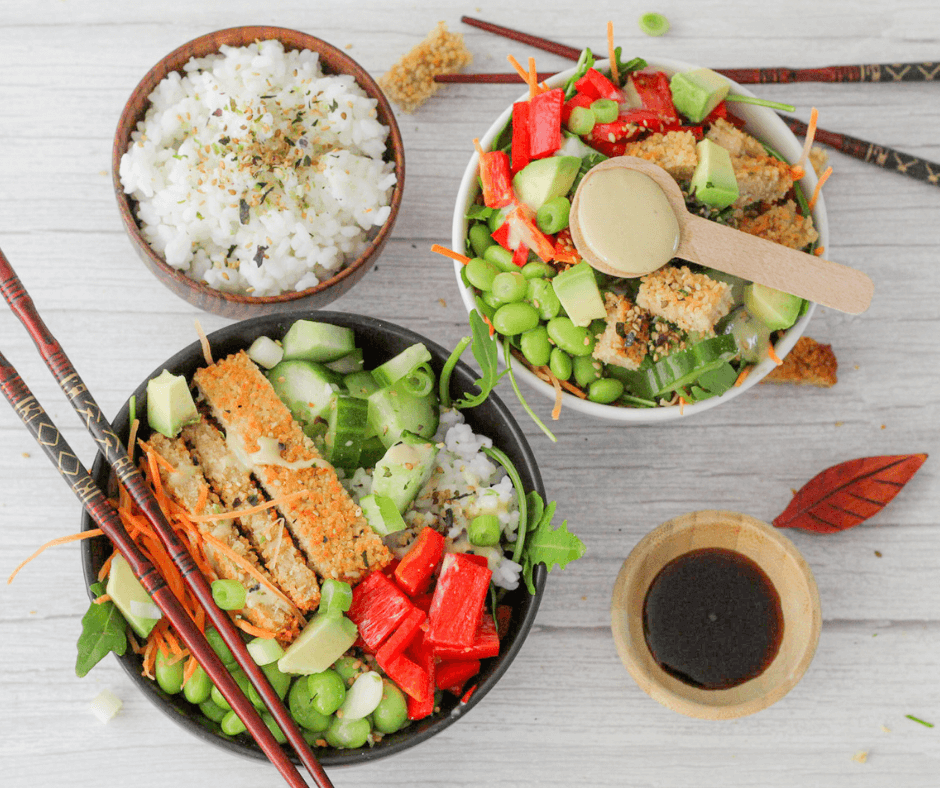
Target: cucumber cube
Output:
[(382, 514), (312, 341)]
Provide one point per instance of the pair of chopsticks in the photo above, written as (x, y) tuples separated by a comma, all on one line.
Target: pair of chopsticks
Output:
[(103, 513), (879, 155)]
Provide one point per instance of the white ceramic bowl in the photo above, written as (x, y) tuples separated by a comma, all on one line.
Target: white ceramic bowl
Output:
[(762, 123)]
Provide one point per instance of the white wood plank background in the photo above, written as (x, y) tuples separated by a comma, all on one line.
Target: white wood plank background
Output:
[(566, 712)]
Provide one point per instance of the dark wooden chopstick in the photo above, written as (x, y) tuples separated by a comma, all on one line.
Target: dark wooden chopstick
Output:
[(871, 72), (879, 155), (111, 447)]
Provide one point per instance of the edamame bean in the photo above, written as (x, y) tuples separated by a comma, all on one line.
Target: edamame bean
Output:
[(197, 689), (580, 121), (328, 691), (496, 219), (231, 724), (560, 364), (169, 674), (586, 370), (219, 647), (392, 711), (605, 390), (542, 296), (501, 258), (537, 269), (515, 318), (535, 346), (480, 273), (552, 217), (347, 734), (491, 300), (216, 694), (484, 530), (348, 668), (574, 340), (212, 710), (279, 680), (480, 239), (300, 703), (509, 286), (275, 729), (605, 110)]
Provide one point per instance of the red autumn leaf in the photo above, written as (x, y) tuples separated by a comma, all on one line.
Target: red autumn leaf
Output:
[(849, 493)]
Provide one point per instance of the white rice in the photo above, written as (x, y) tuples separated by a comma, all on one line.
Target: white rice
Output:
[(255, 173), (464, 483)]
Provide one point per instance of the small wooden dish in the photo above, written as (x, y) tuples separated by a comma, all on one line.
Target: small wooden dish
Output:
[(775, 554), (333, 61)]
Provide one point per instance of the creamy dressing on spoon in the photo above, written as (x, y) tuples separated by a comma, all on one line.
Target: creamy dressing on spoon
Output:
[(627, 221)]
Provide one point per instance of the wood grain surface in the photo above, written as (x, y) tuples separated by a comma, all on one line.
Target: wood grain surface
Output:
[(567, 711)]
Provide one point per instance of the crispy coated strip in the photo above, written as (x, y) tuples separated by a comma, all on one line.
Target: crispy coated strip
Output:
[(265, 529), (326, 524), (263, 608)]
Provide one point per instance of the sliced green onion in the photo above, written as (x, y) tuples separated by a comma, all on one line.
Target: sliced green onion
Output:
[(401, 365), (132, 409), (229, 594), (919, 720), (362, 697), (447, 371), (419, 381), (497, 454), (654, 24), (264, 651), (105, 705), (758, 102), (335, 595)]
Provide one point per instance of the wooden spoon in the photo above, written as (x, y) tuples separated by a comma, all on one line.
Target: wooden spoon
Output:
[(723, 248)]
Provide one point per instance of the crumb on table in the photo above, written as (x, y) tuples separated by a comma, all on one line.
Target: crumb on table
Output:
[(810, 363), (410, 82)]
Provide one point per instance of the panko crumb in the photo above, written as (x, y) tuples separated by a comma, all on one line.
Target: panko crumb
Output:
[(674, 151), (694, 302), (860, 757), (782, 224), (810, 363), (410, 82), (625, 339)]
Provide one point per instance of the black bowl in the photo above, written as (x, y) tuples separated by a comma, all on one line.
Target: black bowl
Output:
[(380, 341)]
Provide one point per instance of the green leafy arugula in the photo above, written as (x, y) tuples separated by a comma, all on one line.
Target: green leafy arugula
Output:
[(103, 631), (483, 347), (550, 546)]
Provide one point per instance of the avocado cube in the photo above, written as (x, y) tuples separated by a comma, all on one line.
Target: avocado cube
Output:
[(170, 406), (696, 93), (544, 179), (578, 293), (713, 181)]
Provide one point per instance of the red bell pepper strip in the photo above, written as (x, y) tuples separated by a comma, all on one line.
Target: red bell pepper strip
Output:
[(523, 230), (452, 676), (378, 606), (410, 677), (720, 111), (422, 653), (520, 257), (596, 85), (485, 643), (414, 572), (545, 123), (520, 136), (401, 638), (653, 90), (495, 178), (482, 560), (577, 100), (457, 605)]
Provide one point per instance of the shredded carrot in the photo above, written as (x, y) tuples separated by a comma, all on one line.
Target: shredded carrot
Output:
[(135, 646), (743, 376), (477, 147), (819, 251), (573, 389), (614, 73), (556, 384), (106, 566), (190, 669), (810, 136), (173, 643), (251, 569), (460, 258), (681, 405), (818, 190), (490, 324), (209, 518), (772, 354), (158, 458), (251, 629), (55, 542), (533, 79), (522, 72), (204, 341), (203, 497), (132, 438), (102, 599)]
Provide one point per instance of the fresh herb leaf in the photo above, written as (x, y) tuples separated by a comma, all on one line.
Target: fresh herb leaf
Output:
[(479, 212), (103, 631), (625, 69), (552, 547), (484, 351), (585, 62), (521, 500), (447, 370)]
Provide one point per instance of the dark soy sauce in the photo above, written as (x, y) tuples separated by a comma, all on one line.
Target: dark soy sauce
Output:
[(713, 619)]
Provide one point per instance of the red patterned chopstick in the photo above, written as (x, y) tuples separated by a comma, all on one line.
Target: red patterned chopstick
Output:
[(872, 72), (111, 447)]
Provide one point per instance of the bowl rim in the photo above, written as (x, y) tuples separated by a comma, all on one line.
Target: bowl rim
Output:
[(238, 335), (786, 145), (241, 36)]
